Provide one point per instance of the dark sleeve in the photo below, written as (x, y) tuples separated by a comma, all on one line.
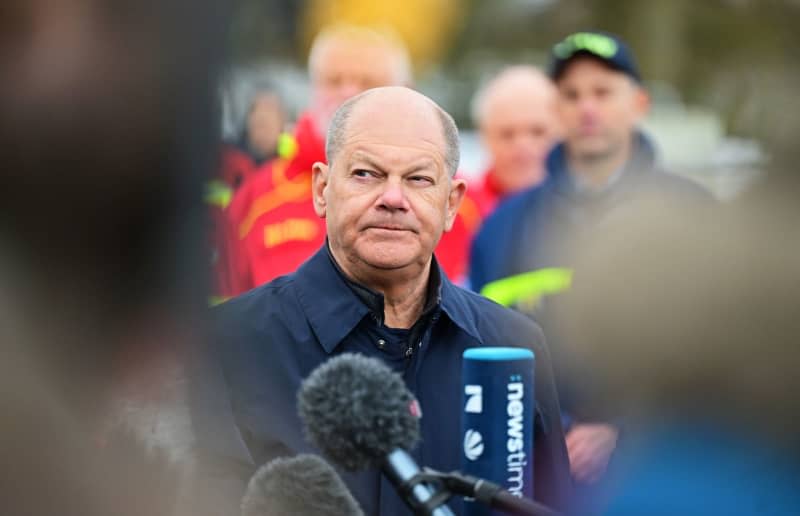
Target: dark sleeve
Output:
[(222, 462)]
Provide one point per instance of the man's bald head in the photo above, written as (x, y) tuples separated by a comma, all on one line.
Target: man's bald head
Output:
[(337, 130), (508, 86), (518, 122)]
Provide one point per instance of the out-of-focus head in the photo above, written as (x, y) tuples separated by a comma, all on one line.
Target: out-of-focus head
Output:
[(346, 60), (264, 124), (516, 115), (694, 337), (600, 97), (388, 191), (108, 131)]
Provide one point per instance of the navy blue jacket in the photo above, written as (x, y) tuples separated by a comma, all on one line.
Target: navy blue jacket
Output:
[(271, 338), (537, 228), (541, 228)]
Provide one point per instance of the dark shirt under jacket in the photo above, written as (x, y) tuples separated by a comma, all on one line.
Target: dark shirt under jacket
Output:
[(269, 339)]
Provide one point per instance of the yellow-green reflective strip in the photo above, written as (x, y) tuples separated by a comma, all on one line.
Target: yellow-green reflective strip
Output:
[(218, 194), (597, 44), (217, 300), (528, 286), (287, 146)]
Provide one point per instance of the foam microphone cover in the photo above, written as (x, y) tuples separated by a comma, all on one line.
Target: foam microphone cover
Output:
[(356, 411), (303, 485)]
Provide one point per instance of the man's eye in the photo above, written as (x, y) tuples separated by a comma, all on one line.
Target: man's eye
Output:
[(421, 180), (362, 173), (570, 95)]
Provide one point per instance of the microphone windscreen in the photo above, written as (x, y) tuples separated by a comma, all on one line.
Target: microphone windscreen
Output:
[(356, 411), (303, 485)]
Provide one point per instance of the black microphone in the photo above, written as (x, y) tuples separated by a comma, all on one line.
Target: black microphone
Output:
[(361, 415), (304, 485), (491, 494)]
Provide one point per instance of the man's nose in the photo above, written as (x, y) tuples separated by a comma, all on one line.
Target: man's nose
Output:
[(587, 108), (393, 196)]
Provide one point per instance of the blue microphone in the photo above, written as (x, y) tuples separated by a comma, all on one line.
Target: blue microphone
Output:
[(497, 420)]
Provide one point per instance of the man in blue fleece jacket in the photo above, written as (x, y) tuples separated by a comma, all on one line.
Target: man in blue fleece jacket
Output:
[(605, 167)]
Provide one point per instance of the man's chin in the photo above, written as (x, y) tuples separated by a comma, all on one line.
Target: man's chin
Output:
[(389, 257), (592, 150)]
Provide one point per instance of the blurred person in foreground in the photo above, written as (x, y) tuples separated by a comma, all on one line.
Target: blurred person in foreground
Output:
[(104, 152), (523, 256), (699, 350), (515, 113), (373, 287)]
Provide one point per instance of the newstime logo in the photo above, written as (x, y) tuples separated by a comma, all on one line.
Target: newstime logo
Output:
[(474, 394), (473, 444), (515, 444)]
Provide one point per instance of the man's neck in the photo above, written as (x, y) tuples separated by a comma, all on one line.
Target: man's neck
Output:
[(404, 292), (403, 304), (597, 171)]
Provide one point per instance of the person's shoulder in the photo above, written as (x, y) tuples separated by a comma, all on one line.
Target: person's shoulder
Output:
[(518, 201), (511, 209), (498, 325), (254, 185), (679, 183), (255, 304)]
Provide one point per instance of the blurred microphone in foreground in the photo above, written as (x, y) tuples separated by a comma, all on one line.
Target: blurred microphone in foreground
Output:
[(304, 485)]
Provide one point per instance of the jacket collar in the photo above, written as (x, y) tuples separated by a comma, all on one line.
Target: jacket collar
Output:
[(334, 305)]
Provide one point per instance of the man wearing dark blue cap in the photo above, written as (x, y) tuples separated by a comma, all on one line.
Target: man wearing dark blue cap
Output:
[(523, 255)]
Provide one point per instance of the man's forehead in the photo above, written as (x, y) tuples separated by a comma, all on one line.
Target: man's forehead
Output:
[(379, 153), (397, 121), (516, 104), (592, 69)]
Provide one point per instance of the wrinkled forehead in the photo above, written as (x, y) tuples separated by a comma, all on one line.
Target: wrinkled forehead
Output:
[(400, 130), (392, 158)]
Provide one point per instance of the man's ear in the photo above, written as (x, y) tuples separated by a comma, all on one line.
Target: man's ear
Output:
[(458, 188), (319, 183), (642, 102)]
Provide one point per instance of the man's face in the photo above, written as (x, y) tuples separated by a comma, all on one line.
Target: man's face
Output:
[(344, 69), (387, 196), (599, 108), (518, 131), (264, 125)]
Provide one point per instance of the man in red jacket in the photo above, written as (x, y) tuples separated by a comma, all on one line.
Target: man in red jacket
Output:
[(273, 224), (515, 113)]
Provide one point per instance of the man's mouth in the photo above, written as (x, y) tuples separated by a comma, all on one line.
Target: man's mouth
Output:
[(389, 227)]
